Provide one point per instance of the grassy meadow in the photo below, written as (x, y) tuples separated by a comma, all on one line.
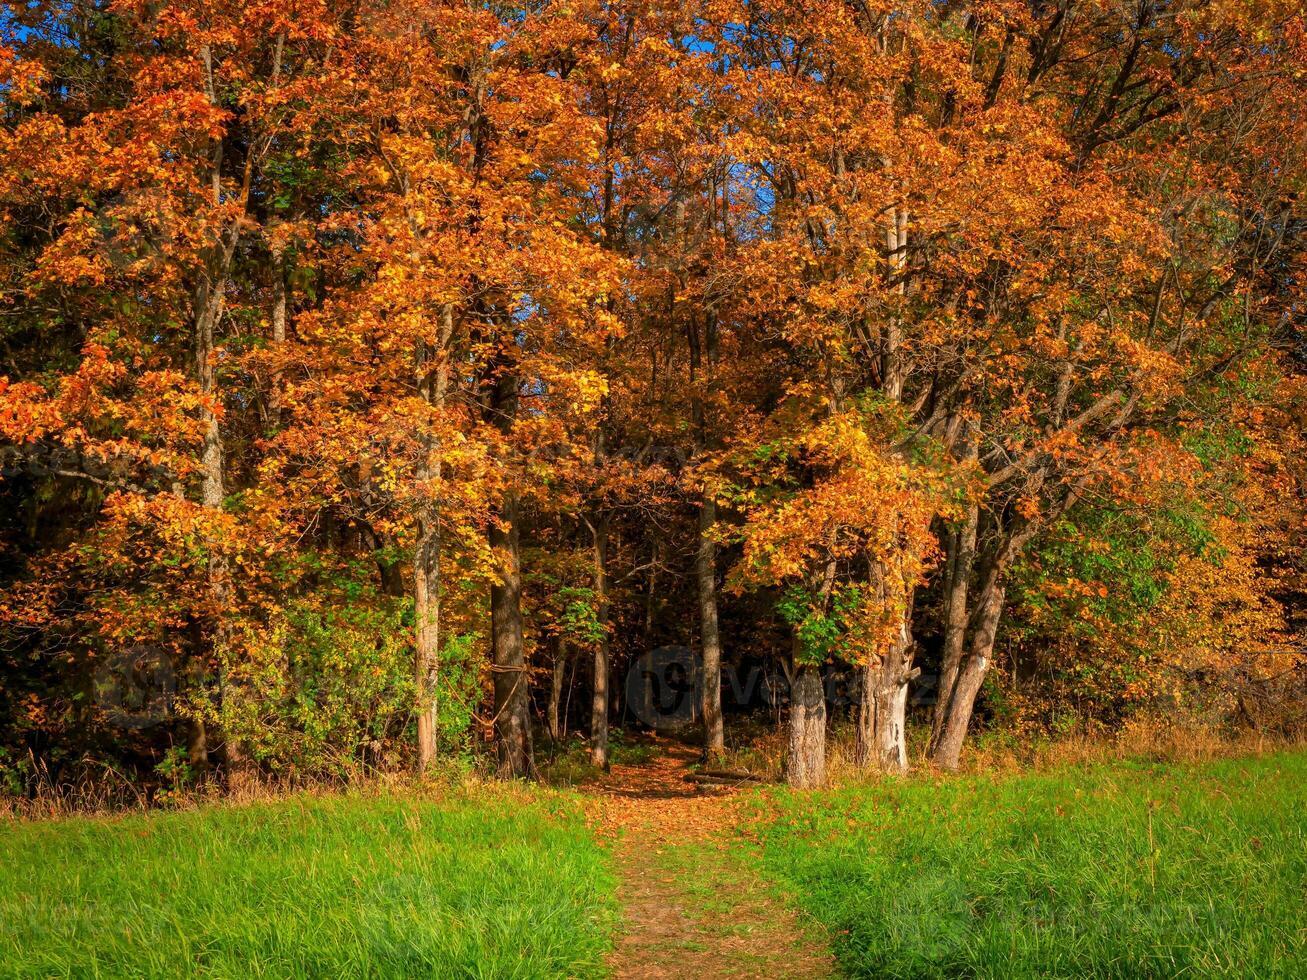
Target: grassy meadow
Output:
[(500, 884), (1116, 869), (1122, 869)]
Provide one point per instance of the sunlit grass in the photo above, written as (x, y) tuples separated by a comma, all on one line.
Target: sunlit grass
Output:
[(1115, 869), (493, 884)]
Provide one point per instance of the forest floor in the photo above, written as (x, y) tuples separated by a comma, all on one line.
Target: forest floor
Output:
[(691, 905)]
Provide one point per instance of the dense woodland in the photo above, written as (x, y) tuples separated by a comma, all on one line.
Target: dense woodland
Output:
[(380, 382)]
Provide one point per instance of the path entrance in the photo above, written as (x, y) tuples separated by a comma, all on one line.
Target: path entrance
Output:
[(691, 905)]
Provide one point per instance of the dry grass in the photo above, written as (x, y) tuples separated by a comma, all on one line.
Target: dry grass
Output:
[(754, 747), (760, 749), (106, 792), (1180, 740)]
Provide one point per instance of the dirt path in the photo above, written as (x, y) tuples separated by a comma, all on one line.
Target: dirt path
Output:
[(691, 907)]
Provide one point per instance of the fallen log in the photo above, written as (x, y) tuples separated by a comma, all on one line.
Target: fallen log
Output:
[(738, 779), (733, 774)]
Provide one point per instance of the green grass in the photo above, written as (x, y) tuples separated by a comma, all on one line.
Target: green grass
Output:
[(493, 884), (1122, 869)]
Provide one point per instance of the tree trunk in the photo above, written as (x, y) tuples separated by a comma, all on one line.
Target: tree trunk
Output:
[(426, 611), (646, 712), (508, 656), (566, 718), (864, 733), (208, 313), (208, 306), (616, 693), (433, 384), (390, 572), (889, 736), (279, 307), (512, 710), (882, 711), (889, 730), (714, 741), (896, 244), (599, 704), (805, 761), (556, 691), (197, 743), (948, 747), (961, 552), (983, 624), (208, 300)]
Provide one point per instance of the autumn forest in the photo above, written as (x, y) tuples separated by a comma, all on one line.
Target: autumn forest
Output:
[(715, 488), (383, 385)]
